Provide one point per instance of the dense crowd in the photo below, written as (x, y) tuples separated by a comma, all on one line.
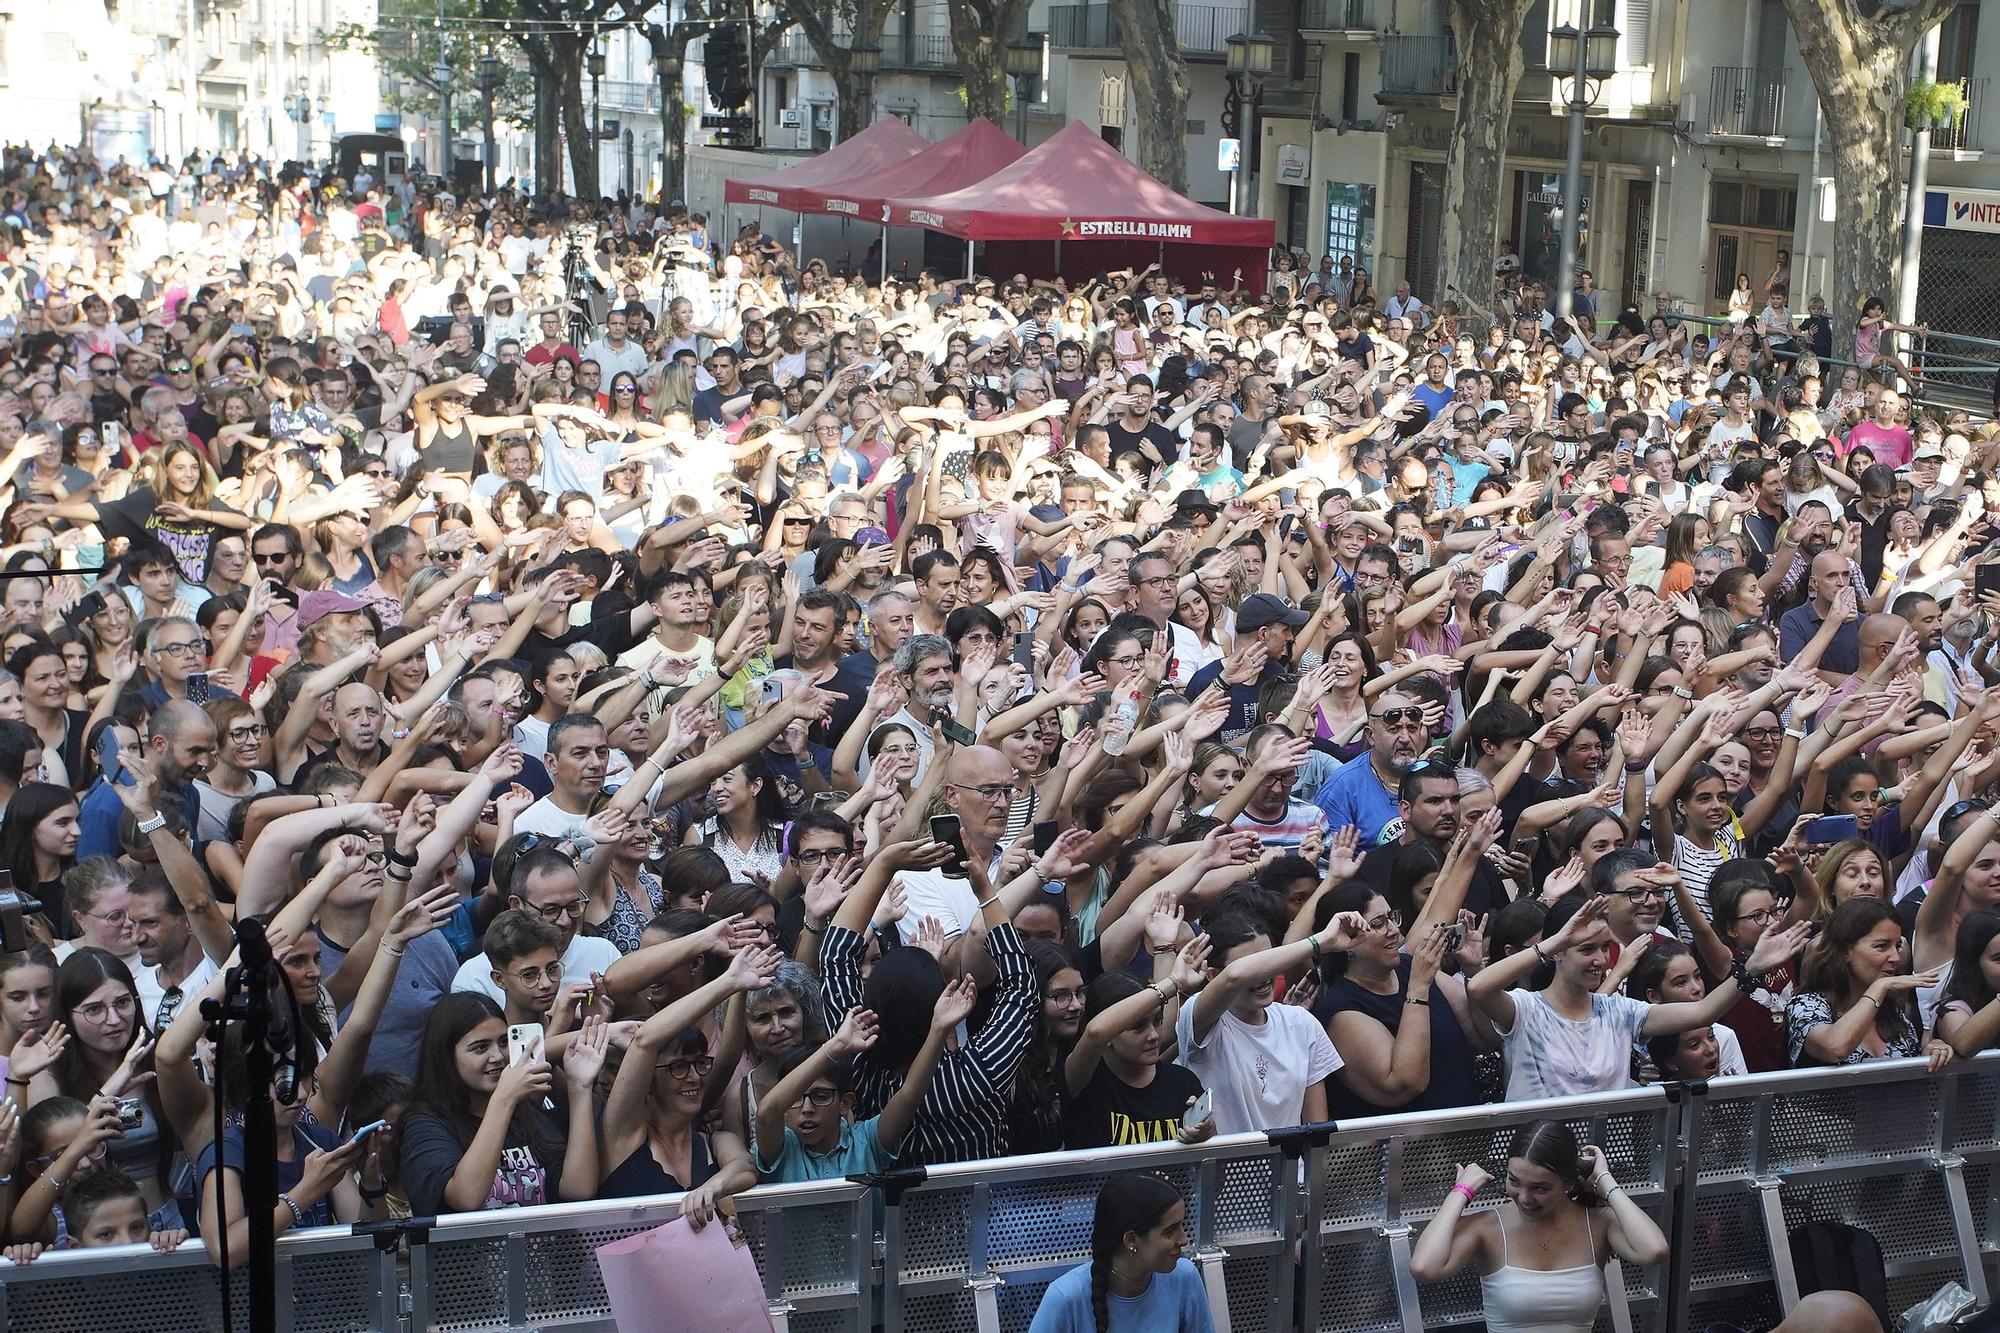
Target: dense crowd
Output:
[(687, 719)]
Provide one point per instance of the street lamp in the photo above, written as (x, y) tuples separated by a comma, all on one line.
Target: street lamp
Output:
[(669, 64), (1248, 65), (1024, 67), (298, 106), (441, 80), (1585, 60), (596, 61), (863, 60), (489, 83)]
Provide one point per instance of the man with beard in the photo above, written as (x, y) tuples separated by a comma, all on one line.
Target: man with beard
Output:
[(577, 757), (1427, 806), (1635, 891), (1265, 627), (168, 947), (925, 664), (1363, 791), (180, 742)]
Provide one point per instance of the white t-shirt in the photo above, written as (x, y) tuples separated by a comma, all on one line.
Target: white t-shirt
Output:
[(1550, 1056), (1257, 1073), (586, 954), (547, 818)]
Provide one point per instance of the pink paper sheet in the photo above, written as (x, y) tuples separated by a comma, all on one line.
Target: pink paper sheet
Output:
[(674, 1279)]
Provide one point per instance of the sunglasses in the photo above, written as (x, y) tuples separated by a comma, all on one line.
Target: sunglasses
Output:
[(1396, 717)]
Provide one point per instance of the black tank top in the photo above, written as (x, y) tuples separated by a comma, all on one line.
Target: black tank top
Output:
[(450, 449)]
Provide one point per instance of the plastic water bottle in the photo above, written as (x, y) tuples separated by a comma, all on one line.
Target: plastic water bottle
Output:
[(1122, 722)]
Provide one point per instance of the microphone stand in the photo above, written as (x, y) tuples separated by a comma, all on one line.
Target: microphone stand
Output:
[(246, 999)]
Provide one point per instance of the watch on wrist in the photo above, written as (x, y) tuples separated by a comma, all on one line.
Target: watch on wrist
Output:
[(153, 823), (1683, 692)]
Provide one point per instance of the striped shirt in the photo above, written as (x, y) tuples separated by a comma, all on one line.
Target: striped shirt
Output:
[(963, 1115)]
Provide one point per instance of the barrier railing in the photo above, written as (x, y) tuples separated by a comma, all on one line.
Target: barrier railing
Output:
[(1306, 1228)]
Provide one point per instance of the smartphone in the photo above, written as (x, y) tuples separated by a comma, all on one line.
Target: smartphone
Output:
[(955, 731), (827, 800), (362, 1133), (1203, 1106), (107, 758), (1832, 828), (1045, 834), (770, 690), (112, 435), (1454, 934), (525, 1039), (1986, 578), (1024, 649), (1526, 846), (945, 829)]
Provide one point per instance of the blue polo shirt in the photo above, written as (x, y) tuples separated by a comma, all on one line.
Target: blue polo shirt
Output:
[(1355, 796), (859, 1151), (1797, 627)]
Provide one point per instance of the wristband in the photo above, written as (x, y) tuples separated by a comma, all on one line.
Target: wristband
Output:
[(1636, 768), (1412, 999), (1683, 692), (398, 858), (298, 1216), (1740, 974), (1467, 1190), (372, 1196), (1796, 733)]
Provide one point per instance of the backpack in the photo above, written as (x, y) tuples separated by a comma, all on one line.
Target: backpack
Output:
[(1833, 1256)]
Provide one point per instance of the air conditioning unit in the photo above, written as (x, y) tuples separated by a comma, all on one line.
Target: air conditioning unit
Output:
[(823, 118), (789, 119)]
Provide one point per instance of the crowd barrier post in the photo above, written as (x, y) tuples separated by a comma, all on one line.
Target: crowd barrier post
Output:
[(1680, 1235)]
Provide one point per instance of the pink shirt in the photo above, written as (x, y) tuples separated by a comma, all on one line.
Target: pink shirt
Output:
[(1891, 445)]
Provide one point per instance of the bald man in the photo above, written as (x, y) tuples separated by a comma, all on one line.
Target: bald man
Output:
[(979, 786)]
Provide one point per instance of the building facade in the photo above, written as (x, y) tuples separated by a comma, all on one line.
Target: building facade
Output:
[(164, 78)]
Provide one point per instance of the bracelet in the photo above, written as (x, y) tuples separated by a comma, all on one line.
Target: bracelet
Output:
[(811, 929), (1412, 999), (1313, 940), (1871, 999), (11, 1079), (1796, 733), (1740, 974), (1538, 952), (1636, 768), (298, 1216), (1159, 988), (1467, 1190), (154, 824), (1683, 692), (393, 953), (372, 1196), (988, 902), (396, 857)]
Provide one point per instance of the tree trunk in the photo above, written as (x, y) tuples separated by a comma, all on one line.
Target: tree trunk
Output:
[(548, 142), (980, 60), (1488, 67), (1860, 66), (1158, 87), (576, 124), (856, 108), (673, 111)]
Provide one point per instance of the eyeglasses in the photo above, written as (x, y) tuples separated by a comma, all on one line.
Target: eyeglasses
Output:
[(1639, 893), (815, 1097), (1759, 733), (990, 791), (1763, 916), (1384, 921), (528, 976), (245, 735), (98, 1010), (696, 1065), (813, 856), (1158, 580), (117, 918), (1399, 717), (1064, 996), (559, 911), (179, 651), (270, 557)]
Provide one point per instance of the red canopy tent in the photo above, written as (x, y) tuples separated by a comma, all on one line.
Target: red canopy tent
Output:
[(1076, 205), (952, 163), (883, 144)]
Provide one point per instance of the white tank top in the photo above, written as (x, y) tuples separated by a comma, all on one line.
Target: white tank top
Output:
[(1542, 1300)]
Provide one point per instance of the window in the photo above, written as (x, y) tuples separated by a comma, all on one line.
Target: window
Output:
[(1350, 86)]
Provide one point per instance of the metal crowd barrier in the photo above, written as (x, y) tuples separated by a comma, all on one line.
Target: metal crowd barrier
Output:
[(1306, 1228)]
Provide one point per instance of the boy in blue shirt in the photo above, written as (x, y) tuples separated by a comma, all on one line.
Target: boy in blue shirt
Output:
[(804, 1124)]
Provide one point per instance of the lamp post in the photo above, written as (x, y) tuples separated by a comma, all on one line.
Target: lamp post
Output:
[(1249, 64), (489, 83), (1585, 60), (299, 107), (1024, 67), (596, 60), (441, 77)]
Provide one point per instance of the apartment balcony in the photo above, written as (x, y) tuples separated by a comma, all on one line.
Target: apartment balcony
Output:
[(900, 51), (1419, 66), (1201, 29), (1747, 101), (1965, 136), (1337, 15), (628, 95)]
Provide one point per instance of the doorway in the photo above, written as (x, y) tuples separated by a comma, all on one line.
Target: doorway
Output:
[(1734, 250)]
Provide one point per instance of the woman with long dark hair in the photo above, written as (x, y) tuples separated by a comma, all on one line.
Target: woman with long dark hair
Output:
[(38, 843), (1856, 998), (97, 1001), (1541, 1255), (1035, 1122), (476, 1134), (1136, 1280), (45, 689), (1969, 1015), (747, 825)]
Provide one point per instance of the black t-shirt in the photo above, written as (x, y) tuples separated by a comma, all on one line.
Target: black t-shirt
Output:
[(1111, 1112), (1125, 441), (136, 516)]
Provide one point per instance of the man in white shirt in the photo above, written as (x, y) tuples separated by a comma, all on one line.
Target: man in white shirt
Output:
[(1153, 582), (577, 758), (170, 956), (546, 882)]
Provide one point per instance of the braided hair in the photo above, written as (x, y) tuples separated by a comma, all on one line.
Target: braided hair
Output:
[(1126, 1204)]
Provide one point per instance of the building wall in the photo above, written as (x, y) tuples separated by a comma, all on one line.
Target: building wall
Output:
[(124, 78)]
